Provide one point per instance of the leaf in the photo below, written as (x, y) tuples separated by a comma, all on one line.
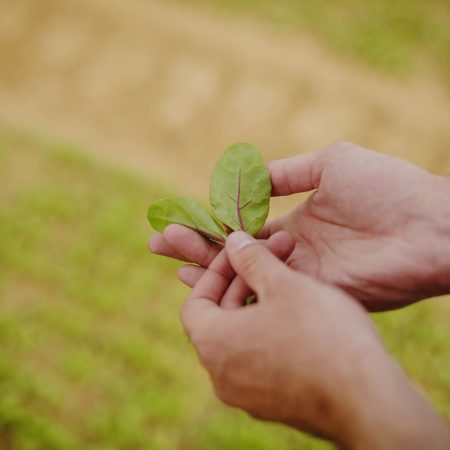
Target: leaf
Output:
[(187, 212), (240, 189)]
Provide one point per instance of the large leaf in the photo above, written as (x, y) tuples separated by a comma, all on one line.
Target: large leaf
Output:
[(187, 212), (240, 189)]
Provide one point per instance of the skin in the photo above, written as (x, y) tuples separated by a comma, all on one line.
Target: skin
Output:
[(375, 233), (311, 359), (375, 226)]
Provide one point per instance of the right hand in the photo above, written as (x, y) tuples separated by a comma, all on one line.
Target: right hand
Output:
[(377, 226), (306, 354)]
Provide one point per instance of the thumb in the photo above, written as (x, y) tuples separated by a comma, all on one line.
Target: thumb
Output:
[(254, 262)]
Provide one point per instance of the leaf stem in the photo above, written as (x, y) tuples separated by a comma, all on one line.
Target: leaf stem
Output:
[(238, 202)]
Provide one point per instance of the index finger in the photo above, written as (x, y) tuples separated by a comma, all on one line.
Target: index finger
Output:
[(216, 279), (203, 302)]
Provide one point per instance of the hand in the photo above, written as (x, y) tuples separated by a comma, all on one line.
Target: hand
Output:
[(306, 355), (377, 227)]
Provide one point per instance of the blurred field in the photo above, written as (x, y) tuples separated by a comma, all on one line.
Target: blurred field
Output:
[(400, 36), (164, 87), (92, 353)]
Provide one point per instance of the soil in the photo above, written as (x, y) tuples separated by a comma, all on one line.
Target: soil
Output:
[(164, 88)]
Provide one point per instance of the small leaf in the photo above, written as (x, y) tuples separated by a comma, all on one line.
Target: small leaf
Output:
[(187, 212), (240, 189)]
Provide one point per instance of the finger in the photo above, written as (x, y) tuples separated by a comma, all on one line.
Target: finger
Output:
[(236, 295), (197, 315), (198, 310), (190, 274), (215, 280), (191, 245), (253, 261), (299, 173), (218, 276), (281, 245), (201, 308), (158, 245)]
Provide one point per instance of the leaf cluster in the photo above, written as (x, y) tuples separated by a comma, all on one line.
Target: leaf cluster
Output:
[(239, 196)]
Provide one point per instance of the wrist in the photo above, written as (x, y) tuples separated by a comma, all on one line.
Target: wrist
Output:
[(386, 412)]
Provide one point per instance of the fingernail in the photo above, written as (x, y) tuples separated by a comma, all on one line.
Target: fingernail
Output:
[(238, 240)]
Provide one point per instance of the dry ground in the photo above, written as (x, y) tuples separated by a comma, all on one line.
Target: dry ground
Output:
[(164, 88)]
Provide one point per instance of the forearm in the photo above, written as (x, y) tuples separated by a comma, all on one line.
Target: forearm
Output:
[(386, 412)]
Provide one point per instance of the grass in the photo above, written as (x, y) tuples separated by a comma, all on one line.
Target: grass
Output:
[(392, 35), (92, 354)]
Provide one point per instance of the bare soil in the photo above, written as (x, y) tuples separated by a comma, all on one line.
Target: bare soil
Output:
[(164, 89)]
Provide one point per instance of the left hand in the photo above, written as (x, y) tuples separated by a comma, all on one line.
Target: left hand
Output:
[(376, 226)]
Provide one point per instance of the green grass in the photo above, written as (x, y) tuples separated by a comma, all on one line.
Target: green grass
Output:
[(393, 35), (92, 355)]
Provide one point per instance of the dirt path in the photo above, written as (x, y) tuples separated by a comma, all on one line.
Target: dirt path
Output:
[(164, 89)]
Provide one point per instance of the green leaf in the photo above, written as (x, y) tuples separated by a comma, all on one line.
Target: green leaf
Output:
[(240, 189), (187, 212)]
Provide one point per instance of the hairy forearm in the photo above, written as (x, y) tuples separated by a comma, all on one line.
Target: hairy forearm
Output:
[(386, 412)]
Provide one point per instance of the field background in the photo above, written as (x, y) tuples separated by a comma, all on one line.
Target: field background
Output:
[(108, 105)]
